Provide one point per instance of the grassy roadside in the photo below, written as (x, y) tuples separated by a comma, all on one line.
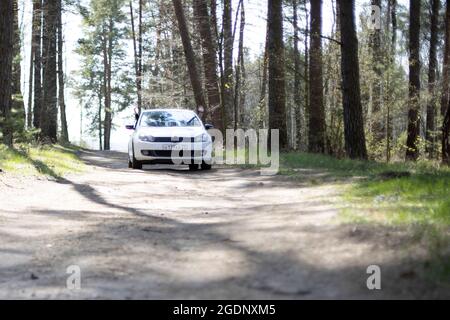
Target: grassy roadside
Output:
[(48, 160), (394, 194), (410, 196)]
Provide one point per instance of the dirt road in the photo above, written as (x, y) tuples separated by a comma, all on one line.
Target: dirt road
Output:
[(166, 232)]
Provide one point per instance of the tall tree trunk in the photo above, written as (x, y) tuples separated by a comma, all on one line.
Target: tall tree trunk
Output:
[(432, 64), (37, 58), (18, 105), (228, 61), (107, 64), (355, 142), (49, 110), (277, 94), (140, 44), (137, 59), (209, 61), (190, 58), (317, 111), (377, 68), (31, 77), (239, 68), (6, 57), (412, 149), (61, 99), (446, 138), (100, 134), (297, 93), (393, 11), (446, 65), (445, 148), (306, 64), (218, 46)]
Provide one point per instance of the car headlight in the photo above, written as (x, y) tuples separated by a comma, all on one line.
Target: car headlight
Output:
[(146, 138), (201, 138)]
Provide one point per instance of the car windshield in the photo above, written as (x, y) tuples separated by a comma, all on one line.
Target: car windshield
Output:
[(172, 118)]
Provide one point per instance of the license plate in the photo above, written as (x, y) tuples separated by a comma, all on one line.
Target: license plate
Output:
[(176, 147)]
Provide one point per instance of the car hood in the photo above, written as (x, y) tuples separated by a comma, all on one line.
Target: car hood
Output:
[(172, 131)]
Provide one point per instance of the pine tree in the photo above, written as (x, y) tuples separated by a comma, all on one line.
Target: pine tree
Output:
[(6, 59), (412, 149), (277, 93), (316, 111), (355, 142)]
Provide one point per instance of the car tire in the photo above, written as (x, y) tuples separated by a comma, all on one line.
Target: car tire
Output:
[(133, 163), (206, 166), (193, 167)]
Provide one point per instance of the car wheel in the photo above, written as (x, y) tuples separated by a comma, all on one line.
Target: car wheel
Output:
[(206, 166), (135, 164), (193, 167)]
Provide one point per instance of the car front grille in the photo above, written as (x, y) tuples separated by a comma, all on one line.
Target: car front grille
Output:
[(169, 139)]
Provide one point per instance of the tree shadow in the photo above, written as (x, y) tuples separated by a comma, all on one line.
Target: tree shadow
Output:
[(156, 257)]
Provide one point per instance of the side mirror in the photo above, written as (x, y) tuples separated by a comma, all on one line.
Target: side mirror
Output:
[(129, 127), (209, 126)]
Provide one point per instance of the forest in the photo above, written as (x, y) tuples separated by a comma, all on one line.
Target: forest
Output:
[(377, 92), (358, 91)]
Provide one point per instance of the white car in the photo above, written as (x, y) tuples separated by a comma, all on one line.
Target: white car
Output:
[(171, 136)]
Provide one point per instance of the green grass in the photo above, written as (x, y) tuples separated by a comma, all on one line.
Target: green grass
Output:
[(398, 193), (413, 196), (49, 160)]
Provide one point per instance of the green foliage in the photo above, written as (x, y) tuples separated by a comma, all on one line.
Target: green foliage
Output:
[(104, 23)]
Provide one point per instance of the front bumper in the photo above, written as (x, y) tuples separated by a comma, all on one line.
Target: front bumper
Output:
[(168, 152)]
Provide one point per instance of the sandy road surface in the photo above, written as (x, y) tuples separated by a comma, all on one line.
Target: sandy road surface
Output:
[(166, 232)]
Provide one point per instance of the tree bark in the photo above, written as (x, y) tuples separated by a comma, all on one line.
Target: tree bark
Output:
[(61, 99), (392, 51), (317, 112), (277, 94), (209, 62), (355, 142), (306, 64), (446, 66), (412, 149), (190, 59), (297, 93), (228, 62), (240, 77), (432, 64), (377, 68), (446, 138), (18, 105), (37, 58), (49, 110), (107, 64), (100, 125), (30, 77), (137, 59), (6, 57)]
